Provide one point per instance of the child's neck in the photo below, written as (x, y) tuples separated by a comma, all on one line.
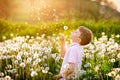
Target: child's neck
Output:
[(75, 42)]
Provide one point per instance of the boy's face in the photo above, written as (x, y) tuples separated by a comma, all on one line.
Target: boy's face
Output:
[(75, 35)]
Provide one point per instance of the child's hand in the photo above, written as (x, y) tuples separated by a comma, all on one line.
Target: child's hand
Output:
[(62, 39), (58, 76)]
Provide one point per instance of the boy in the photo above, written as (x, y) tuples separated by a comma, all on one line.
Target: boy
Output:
[(73, 56)]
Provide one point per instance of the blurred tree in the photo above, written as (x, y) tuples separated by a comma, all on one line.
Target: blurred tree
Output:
[(47, 10)]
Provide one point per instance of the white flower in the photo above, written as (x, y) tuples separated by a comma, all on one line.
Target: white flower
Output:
[(42, 68), (43, 35), (116, 46), (7, 78), (38, 60), (85, 79), (116, 69), (13, 71), (29, 60), (82, 72), (27, 36), (47, 68), (117, 36), (22, 64), (18, 57), (35, 63), (44, 71), (4, 37), (97, 68), (2, 78), (91, 47), (16, 62), (35, 55), (103, 33), (1, 74), (57, 58), (25, 53), (20, 53), (118, 55), (112, 74), (11, 35), (44, 57), (53, 56), (33, 73), (9, 66), (100, 55), (24, 45), (87, 65), (32, 37), (88, 55), (117, 77), (112, 60)]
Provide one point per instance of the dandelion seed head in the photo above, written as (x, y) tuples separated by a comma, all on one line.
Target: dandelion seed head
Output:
[(7, 78), (33, 73), (22, 64), (65, 27)]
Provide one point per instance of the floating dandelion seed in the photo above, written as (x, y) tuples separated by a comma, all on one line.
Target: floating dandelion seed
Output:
[(103, 33), (38, 18), (54, 9), (11, 35), (65, 27), (4, 37), (27, 36), (26, 22), (32, 37)]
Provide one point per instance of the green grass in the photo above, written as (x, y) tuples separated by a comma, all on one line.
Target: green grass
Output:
[(49, 28)]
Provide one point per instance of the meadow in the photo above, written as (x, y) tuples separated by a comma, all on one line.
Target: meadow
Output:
[(32, 52), (64, 26)]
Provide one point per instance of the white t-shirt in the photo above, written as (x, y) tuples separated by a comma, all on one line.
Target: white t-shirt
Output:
[(74, 55)]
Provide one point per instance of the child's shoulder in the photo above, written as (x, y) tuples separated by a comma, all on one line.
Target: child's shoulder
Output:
[(76, 47)]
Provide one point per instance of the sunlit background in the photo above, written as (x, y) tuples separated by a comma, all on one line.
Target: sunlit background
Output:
[(33, 11), (29, 38)]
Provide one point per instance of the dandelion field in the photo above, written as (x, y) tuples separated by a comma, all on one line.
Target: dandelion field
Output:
[(38, 58), (29, 38)]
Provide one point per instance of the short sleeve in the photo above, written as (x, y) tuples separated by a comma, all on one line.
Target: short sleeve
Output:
[(72, 56)]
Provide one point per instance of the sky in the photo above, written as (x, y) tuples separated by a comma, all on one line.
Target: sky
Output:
[(117, 2)]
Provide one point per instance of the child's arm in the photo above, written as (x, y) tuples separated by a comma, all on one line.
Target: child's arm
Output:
[(63, 46)]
